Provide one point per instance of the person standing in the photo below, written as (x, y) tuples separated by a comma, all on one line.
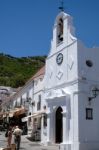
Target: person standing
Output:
[(17, 137), (9, 137)]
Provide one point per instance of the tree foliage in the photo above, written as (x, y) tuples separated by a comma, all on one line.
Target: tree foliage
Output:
[(15, 72)]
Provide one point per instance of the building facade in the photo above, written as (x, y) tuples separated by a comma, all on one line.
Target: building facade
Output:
[(62, 98)]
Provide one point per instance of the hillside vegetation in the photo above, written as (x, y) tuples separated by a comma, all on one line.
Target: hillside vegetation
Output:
[(15, 72)]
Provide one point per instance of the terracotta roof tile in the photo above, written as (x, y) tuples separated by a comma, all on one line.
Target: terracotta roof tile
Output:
[(39, 73)]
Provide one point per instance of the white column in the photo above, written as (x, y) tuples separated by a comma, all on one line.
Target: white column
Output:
[(48, 127), (65, 127), (42, 129), (50, 124)]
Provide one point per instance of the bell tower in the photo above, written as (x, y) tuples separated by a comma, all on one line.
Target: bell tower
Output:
[(60, 60)]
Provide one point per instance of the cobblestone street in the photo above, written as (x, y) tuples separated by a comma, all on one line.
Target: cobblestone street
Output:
[(26, 144)]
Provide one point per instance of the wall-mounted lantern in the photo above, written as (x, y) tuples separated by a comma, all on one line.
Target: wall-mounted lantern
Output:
[(33, 103), (95, 93), (44, 107)]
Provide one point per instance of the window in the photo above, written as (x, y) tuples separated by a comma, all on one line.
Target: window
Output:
[(15, 104), (21, 101), (35, 122), (29, 119), (27, 96), (35, 82), (39, 103), (89, 113), (45, 120), (0, 101), (41, 79), (39, 123)]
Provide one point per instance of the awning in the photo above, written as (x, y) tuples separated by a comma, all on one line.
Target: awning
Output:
[(1, 115), (15, 112), (11, 114), (19, 111), (4, 115), (24, 119), (35, 115)]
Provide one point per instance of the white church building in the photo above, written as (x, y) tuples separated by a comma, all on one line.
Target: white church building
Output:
[(71, 87)]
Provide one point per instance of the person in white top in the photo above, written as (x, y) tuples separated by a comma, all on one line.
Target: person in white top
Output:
[(17, 137)]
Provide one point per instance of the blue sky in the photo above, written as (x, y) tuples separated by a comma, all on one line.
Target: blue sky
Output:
[(26, 25)]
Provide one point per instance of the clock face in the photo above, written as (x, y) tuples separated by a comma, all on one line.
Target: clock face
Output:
[(59, 58)]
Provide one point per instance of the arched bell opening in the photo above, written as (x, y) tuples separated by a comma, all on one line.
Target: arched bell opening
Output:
[(60, 30)]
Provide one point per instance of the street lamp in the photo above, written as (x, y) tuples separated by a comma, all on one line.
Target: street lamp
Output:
[(95, 93)]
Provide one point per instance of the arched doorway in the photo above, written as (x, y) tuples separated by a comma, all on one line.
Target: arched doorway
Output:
[(59, 125)]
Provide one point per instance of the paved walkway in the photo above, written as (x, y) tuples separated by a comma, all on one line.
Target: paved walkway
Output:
[(37, 145), (27, 144)]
